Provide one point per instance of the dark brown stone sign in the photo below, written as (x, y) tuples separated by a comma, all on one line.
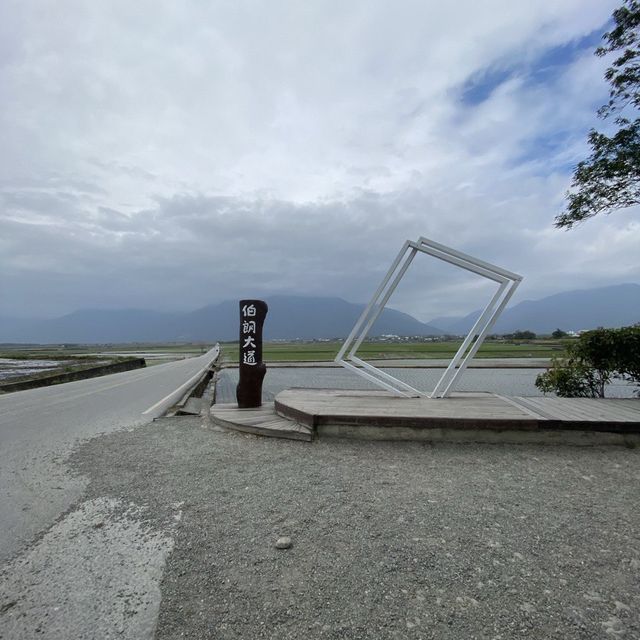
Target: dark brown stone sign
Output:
[(252, 369)]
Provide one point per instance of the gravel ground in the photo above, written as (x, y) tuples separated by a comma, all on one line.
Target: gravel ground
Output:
[(390, 540)]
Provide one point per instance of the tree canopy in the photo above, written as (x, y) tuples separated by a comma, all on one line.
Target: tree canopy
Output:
[(609, 179)]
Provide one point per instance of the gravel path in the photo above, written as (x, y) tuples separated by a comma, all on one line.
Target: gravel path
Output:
[(389, 540)]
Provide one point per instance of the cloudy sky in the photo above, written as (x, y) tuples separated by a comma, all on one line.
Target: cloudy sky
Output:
[(167, 155)]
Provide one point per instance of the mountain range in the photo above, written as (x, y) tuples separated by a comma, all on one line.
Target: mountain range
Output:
[(613, 306), (289, 317), (292, 317)]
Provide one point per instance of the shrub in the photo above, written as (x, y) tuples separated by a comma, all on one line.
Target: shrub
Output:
[(592, 361)]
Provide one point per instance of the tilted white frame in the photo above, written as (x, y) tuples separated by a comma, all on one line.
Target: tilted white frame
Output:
[(507, 284)]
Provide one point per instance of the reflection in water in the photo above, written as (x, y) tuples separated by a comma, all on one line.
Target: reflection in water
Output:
[(509, 382), (10, 368)]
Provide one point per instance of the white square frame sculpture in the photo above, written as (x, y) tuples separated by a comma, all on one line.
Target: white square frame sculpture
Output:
[(507, 284)]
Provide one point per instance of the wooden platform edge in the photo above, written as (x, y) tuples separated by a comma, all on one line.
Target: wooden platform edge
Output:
[(267, 428), (535, 426), (479, 436), (302, 417)]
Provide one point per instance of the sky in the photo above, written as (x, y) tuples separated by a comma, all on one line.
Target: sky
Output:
[(169, 155)]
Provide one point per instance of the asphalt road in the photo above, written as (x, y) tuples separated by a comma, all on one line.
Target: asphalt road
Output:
[(39, 427)]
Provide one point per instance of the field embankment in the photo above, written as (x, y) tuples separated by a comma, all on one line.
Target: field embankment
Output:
[(77, 373)]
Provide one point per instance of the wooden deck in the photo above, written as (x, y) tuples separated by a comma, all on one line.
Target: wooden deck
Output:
[(463, 416), (261, 421), (624, 412), (302, 414)]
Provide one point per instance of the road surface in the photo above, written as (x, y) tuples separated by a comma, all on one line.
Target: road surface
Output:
[(39, 427)]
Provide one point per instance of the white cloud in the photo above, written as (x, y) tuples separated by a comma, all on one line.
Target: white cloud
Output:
[(171, 154)]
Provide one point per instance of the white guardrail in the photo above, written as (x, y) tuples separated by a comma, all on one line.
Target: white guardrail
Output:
[(168, 401)]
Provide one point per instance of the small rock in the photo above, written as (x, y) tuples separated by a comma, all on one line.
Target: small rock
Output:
[(283, 543), (7, 605)]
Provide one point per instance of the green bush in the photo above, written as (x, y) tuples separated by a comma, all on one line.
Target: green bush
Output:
[(592, 361)]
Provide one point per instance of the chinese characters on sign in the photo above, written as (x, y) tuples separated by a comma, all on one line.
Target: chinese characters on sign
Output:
[(248, 334), (252, 369)]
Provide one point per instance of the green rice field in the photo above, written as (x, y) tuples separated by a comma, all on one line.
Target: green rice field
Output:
[(326, 351), (297, 351)]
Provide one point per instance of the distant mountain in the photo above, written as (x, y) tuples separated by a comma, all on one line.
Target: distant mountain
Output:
[(289, 317), (293, 317), (300, 317), (457, 325), (614, 306), (90, 326)]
